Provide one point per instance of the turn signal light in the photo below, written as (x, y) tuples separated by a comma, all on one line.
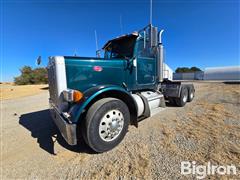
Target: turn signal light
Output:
[(71, 95), (77, 96)]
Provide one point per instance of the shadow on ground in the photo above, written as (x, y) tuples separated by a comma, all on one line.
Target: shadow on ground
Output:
[(45, 88), (231, 82), (43, 128)]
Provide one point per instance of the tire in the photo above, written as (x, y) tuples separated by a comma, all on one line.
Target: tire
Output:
[(172, 101), (106, 124), (191, 94), (182, 100)]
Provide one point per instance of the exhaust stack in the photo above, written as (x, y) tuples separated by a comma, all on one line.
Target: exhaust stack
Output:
[(160, 56)]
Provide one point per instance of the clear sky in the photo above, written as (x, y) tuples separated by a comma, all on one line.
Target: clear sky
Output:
[(200, 33)]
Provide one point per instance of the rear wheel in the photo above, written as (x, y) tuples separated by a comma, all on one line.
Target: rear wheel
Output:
[(191, 94), (106, 124), (182, 100), (172, 101)]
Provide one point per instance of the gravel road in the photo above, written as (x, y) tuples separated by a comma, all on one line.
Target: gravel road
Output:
[(207, 129)]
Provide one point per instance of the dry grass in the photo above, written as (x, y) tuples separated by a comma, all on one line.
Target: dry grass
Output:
[(210, 130), (135, 165), (209, 125), (10, 91)]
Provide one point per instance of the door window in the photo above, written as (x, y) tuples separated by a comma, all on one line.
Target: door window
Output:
[(146, 63)]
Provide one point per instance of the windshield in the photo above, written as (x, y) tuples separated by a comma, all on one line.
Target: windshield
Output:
[(120, 48)]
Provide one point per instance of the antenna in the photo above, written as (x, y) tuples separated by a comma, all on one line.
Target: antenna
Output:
[(96, 39), (150, 20), (75, 52), (121, 26)]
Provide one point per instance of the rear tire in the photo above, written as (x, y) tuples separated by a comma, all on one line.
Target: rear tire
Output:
[(191, 94), (172, 101), (106, 124), (182, 100)]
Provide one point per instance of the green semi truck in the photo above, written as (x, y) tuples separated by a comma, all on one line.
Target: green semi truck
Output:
[(101, 97)]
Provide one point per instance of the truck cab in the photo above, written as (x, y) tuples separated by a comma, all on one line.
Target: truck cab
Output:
[(101, 97)]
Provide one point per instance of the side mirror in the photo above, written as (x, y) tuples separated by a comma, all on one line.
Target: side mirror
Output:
[(39, 60), (98, 53), (133, 61)]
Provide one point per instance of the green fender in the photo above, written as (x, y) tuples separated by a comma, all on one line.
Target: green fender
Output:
[(111, 91)]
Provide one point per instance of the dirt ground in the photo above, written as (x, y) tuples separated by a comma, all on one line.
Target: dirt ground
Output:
[(207, 129), (10, 91)]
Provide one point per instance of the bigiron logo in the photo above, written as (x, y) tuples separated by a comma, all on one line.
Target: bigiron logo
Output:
[(201, 171)]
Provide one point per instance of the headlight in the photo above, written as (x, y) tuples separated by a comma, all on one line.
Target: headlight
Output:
[(71, 95)]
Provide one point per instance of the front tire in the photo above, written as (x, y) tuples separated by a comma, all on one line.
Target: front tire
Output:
[(106, 124)]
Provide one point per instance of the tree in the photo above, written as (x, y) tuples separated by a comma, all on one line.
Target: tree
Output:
[(182, 70), (40, 76), (31, 76), (195, 69), (187, 70)]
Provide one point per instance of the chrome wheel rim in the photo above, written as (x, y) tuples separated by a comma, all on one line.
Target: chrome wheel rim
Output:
[(191, 95), (185, 98), (111, 125)]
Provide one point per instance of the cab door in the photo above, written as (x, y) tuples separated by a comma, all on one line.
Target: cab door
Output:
[(146, 64)]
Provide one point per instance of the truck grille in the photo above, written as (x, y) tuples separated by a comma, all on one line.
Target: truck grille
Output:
[(52, 82), (57, 81)]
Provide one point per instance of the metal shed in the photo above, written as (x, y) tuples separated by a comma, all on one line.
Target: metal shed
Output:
[(188, 76), (222, 73)]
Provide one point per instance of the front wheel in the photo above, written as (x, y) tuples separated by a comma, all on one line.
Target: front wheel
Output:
[(106, 124)]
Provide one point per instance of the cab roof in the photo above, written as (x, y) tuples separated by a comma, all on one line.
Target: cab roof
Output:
[(132, 35)]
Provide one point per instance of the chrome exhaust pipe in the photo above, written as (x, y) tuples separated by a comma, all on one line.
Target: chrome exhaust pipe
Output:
[(160, 56), (160, 36)]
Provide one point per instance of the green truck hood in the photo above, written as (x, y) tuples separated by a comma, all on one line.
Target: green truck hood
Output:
[(85, 72)]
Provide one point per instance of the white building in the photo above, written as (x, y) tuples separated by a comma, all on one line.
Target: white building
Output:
[(222, 73), (167, 72)]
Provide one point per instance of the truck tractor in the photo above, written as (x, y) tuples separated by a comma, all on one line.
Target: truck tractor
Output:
[(100, 97)]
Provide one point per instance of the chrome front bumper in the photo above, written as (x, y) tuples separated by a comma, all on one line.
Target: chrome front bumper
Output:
[(67, 130)]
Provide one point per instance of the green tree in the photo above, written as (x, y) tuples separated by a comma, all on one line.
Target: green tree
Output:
[(187, 70), (195, 69), (182, 70), (31, 76), (40, 76)]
